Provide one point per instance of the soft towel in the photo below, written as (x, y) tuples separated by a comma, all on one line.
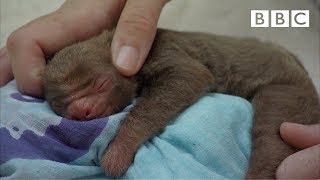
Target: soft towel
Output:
[(211, 139)]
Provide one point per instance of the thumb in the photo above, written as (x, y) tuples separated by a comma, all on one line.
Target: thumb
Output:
[(304, 164), (134, 34), (5, 67), (300, 136)]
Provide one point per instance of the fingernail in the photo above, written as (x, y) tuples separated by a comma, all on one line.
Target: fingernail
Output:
[(293, 124), (127, 58), (37, 75)]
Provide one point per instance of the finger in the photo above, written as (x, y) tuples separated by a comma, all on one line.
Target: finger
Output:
[(304, 164), (5, 67), (300, 136), (135, 33), (27, 61), (75, 21)]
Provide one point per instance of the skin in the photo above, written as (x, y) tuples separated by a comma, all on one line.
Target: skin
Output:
[(74, 21), (308, 139), (180, 68)]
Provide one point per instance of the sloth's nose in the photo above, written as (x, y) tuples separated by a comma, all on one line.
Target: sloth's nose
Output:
[(80, 111)]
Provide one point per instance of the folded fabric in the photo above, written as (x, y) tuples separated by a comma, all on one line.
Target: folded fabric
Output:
[(211, 139)]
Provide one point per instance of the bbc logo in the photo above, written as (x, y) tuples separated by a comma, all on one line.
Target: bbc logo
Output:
[(280, 18)]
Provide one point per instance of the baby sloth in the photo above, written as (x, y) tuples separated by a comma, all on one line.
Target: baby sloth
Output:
[(81, 84)]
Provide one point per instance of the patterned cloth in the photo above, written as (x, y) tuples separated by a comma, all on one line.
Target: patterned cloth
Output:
[(211, 139)]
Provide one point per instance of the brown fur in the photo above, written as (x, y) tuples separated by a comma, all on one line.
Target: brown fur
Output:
[(180, 68)]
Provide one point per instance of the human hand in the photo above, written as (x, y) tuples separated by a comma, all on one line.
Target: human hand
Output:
[(74, 21), (304, 164)]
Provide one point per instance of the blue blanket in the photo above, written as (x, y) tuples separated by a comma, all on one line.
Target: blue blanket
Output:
[(211, 139)]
